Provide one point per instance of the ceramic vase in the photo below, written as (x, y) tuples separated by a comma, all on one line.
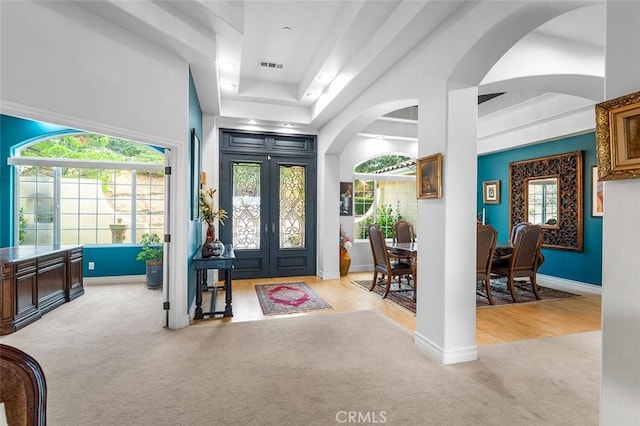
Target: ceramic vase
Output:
[(345, 262)]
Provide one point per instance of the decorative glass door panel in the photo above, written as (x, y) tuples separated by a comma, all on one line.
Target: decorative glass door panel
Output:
[(245, 213), (292, 207)]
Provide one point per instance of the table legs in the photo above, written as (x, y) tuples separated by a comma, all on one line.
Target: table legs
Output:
[(201, 286), (228, 311)]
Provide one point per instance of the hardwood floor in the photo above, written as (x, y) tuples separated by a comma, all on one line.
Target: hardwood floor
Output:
[(493, 325)]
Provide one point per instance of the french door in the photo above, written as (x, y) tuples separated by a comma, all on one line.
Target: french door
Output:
[(270, 200)]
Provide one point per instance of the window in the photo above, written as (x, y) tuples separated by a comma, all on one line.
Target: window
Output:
[(115, 197), (385, 192)]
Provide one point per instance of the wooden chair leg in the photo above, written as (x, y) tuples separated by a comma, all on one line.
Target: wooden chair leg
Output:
[(511, 289), (375, 280), (386, 290), (534, 284), (415, 287), (487, 285)]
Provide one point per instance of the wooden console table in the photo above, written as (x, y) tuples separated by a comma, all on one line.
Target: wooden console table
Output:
[(202, 265), (35, 280)]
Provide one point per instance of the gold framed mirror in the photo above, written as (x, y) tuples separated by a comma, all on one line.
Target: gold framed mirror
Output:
[(548, 191)]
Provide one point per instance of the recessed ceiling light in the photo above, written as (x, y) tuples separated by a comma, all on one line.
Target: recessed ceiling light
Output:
[(227, 65), (286, 28), (287, 125), (228, 85), (253, 122)]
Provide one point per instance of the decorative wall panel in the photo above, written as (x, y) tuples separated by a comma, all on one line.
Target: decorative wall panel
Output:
[(568, 233)]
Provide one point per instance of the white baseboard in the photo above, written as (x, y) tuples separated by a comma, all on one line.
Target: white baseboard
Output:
[(570, 286), (118, 279), (446, 357)]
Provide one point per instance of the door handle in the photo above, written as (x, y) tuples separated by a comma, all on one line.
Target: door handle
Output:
[(273, 228)]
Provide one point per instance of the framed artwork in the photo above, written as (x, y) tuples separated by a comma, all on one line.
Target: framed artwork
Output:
[(346, 199), (195, 175), (618, 137), (491, 192), (429, 176), (597, 196)]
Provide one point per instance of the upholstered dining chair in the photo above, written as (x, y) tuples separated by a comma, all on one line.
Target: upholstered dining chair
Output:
[(382, 262), (515, 230), (524, 261), (486, 247), (402, 232), (23, 388)]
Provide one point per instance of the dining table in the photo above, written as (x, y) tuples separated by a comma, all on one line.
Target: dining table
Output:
[(409, 251), (503, 248)]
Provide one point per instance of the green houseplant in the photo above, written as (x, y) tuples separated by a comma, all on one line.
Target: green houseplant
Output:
[(152, 252)]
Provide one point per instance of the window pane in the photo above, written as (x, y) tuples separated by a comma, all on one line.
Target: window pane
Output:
[(36, 192)]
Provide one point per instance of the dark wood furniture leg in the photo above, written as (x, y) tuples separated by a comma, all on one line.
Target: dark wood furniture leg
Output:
[(228, 311), (200, 283)]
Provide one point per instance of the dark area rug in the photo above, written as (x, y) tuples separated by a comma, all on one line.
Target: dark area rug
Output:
[(288, 298), (403, 294)]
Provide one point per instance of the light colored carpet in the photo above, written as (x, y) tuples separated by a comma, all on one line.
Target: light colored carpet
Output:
[(108, 361)]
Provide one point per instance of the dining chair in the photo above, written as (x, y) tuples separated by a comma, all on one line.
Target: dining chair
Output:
[(382, 261), (515, 230), (402, 232), (23, 387), (485, 248), (524, 261)]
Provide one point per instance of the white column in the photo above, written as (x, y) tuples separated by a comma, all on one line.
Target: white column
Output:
[(328, 216), (446, 311), (620, 382)]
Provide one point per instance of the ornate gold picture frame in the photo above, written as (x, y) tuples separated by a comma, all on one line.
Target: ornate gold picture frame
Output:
[(618, 138), (429, 176)]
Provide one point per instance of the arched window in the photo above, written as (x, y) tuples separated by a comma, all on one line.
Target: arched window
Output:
[(384, 192), (88, 189)]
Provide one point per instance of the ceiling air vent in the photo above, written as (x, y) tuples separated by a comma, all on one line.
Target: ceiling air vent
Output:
[(271, 65)]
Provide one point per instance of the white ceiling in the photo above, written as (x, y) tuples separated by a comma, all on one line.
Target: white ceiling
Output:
[(329, 51)]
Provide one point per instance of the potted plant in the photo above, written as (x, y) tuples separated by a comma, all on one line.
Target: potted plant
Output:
[(151, 252), (208, 213)]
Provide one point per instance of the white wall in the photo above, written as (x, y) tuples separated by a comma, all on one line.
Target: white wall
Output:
[(65, 66), (620, 383)]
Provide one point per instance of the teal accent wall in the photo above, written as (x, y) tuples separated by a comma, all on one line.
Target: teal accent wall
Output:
[(585, 266), (113, 260), (16, 132), (195, 122)]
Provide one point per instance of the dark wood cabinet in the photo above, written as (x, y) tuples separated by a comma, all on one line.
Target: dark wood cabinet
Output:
[(75, 286), (36, 280)]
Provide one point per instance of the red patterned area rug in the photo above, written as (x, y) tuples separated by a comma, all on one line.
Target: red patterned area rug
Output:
[(288, 298), (403, 295)]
